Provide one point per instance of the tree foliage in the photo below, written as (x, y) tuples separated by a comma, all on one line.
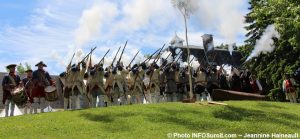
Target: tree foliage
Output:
[(21, 68), (285, 15)]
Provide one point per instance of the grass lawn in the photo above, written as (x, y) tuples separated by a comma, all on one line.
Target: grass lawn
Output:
[(157, 120)]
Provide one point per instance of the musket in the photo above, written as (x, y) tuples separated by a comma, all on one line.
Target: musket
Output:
[(157, 56), (164, 66), (168, 55), (102, 59), (90, 61), (155, 60), (178, 56), (191, 60), (146, 60), (133, 59), (150, 68), (87, 55), (122, 53), (112, 63), (69, 66)]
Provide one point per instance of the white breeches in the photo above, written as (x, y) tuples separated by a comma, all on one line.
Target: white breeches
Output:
[(28, 106), (38, 103), (12, 104)]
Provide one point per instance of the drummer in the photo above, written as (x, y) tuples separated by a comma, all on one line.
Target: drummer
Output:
[(28, 85), (41, 79), (10, 82)]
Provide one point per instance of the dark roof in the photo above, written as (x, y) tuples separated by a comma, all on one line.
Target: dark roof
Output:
[(219, 56)]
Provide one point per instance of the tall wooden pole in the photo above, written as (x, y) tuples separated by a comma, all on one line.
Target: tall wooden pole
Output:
[(188, 56)]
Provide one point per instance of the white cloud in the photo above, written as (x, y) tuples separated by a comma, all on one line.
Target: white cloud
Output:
[(57, 27), (137, 14), (227, 17), (92, 21)]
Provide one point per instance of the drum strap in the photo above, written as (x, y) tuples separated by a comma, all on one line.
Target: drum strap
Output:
[(12, 80), (44, 79)]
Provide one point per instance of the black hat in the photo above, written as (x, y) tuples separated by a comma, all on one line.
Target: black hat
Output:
[(10, 66), (62, 74), (41, 63), (28, 70)]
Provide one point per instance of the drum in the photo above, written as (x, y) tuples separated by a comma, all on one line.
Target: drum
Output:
[(19, 96), (51, 93)]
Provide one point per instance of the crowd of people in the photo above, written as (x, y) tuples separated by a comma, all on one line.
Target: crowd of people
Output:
[(145, 82), (29, 91), (120, 85)]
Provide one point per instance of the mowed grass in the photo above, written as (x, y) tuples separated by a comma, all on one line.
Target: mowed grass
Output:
[(157, 120)]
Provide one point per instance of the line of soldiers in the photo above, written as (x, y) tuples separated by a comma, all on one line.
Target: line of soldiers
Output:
[(29, 91), (140, 83), (100, 86)]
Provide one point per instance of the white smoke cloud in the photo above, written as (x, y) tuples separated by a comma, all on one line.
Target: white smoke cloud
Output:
[(266, 43), (230, 48), (224, 16), (78, 54), (183, 64), (92, 20), (136, 14), (186, 6), (167, 55), (195, 64)]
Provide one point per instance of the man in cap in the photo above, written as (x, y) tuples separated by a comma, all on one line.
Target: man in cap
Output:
[(41, 79), (28, 85), (154, 83), (96, 86), (200, 81), (66, 80), (135, 83), (119, 85), (9, 83), (171, 87), (108, 86), (78, 86)]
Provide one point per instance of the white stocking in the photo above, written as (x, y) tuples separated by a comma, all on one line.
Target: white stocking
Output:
[(42, 104), (35, 104)]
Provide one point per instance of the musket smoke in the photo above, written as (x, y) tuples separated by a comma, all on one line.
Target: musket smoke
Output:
[(266, 43), (230, 48)]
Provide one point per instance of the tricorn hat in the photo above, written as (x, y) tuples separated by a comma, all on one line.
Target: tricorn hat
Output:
[(10, 66), (41, 63), (28, 70)]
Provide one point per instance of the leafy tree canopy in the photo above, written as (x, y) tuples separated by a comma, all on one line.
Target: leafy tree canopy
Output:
[(285, 15)]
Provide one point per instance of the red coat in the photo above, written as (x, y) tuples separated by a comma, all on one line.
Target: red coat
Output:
[(41, 79)]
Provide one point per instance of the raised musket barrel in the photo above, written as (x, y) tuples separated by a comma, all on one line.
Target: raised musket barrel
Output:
[(222, 95)]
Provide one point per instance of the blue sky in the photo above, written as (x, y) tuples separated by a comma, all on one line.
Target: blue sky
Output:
[(35, 30)]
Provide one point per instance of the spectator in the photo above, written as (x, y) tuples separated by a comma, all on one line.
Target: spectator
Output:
[(289, 89), (255, 84)]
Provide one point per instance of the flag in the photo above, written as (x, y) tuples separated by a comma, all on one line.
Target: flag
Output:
[(208, 43)]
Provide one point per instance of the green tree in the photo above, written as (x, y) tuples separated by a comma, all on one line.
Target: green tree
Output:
[(28, 66), (21, 69), (285, 15)]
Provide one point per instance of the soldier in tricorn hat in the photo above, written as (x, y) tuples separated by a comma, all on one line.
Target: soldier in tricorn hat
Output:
[(10, 82), (41, 79), (28, 85)]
